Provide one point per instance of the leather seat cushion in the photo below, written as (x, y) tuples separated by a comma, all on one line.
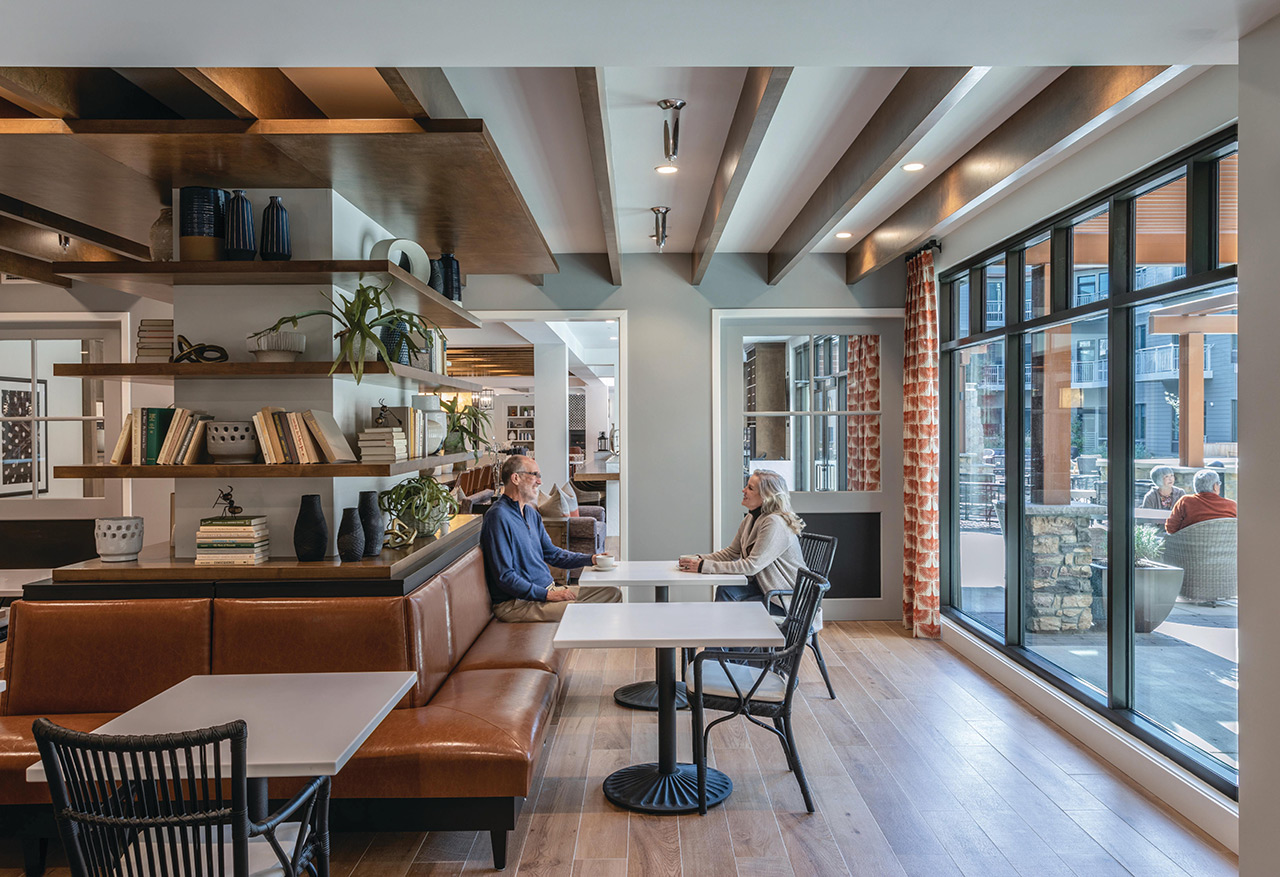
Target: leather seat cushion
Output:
[(470, 607), (18, 752), (504, 646), (716, 682), (480, 736)]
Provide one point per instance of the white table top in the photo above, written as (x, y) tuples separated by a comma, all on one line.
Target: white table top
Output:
[(300, 724), (665, 625), (654, 572)]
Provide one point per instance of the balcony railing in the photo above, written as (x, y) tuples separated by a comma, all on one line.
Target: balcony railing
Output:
[(1150, 363)]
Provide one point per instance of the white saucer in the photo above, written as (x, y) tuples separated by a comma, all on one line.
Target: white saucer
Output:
[(604, 568)]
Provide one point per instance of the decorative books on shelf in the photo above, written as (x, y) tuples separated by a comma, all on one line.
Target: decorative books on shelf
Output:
[(155, 341), (383, 444), (310, 436), (160, 436), (239, 541)]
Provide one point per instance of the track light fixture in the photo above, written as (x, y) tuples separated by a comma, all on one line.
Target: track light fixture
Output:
[(671, 128), (660, 225)]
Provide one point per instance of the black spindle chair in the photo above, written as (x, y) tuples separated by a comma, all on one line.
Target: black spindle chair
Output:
[(129, 806), (755, 683), (819, 552)]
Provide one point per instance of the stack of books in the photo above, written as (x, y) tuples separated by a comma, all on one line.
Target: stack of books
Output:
[(242, 541), (311, 436), (161, 437), (412, 423), (383, 444), (155, 341)]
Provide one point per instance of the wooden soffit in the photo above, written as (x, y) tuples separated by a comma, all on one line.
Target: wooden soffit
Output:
[(1069, 108), (497, 362), (441, 183)]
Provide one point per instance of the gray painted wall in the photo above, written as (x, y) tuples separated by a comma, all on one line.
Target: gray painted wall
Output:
[(668, 394)]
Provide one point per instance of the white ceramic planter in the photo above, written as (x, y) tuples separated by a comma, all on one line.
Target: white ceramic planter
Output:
[(118, 539), (278, 346), (232, 441)]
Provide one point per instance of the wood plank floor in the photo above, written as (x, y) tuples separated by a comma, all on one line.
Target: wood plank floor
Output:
[(923, 766)]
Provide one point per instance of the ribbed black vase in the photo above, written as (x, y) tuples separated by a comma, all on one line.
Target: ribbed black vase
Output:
[(202, 222), (373, 521), (275, 232), (436, 278), (240, 246), (310, 531), (350, 536), (452, 273)]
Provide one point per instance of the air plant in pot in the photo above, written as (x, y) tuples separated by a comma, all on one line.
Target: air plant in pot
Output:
[(362, 317), (421, 505)]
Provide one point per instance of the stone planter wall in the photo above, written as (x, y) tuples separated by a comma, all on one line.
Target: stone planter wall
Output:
[(1056, 561)]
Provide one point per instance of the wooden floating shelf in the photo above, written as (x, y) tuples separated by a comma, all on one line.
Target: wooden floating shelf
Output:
[(156, 280), (155, 564), (162, 372), (264, 470)]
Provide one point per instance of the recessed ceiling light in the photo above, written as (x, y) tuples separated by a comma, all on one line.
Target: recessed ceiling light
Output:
[(913, 166), (844, 234), (666, 169)]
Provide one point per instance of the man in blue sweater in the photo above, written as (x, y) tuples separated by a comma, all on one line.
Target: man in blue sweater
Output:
[(517, 551)]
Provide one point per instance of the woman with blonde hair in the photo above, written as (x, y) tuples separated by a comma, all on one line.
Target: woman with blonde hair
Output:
[(765, 549)]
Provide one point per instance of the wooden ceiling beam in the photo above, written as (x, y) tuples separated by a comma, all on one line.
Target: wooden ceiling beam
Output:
[(78, 93), (595, 113), (32, 269), (1069, 108), (253, 92), (10, 110), (920, 99), (507, 361), (36, 217), (757, 103), (424, 92), (175, 91)]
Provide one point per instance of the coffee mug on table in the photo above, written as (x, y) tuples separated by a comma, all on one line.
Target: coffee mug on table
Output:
[(688, 558), (604, 561)]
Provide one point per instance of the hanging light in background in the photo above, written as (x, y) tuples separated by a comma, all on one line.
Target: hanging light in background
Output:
[(660, 225), (484, 399)]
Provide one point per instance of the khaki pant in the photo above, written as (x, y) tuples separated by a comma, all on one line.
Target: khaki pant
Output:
[(532, 610)]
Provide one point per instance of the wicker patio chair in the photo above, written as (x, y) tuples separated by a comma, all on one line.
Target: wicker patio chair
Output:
[(158, 805), (1207, 551)]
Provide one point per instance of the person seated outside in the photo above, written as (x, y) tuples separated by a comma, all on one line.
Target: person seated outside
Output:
[(1162, 494), (1205, 504), (766, 548), (517, 551)]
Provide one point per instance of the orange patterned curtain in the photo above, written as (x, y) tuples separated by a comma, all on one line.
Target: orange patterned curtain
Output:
[(920, 600), (864, 395)]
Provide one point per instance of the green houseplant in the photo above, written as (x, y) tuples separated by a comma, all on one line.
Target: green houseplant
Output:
[(368, 310), (420, 503), (1155, 584), (466, 425)]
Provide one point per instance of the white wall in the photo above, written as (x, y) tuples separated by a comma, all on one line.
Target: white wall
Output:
[(668, 392)]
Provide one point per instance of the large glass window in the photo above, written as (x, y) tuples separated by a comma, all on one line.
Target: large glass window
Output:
[(993, 282), (1089, 242), (979, 441), (1160, 234), (1185, 603), (1228, 204), (1035, 277), (960, 295)]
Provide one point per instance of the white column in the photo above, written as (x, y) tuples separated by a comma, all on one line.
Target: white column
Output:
[(1259, 424), (597, 415), (551, 411)]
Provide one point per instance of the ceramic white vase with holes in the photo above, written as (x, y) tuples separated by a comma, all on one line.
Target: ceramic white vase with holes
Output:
[(118, 539), (232, 441), (277, 346)]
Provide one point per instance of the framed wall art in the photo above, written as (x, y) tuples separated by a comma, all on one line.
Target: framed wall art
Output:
[(19, 464)]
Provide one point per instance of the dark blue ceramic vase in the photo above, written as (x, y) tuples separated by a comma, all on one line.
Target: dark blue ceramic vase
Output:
[(275, 232), (239, 241), (310, 531), (350, 536), (452, 274), (393, 338), (374, 522)]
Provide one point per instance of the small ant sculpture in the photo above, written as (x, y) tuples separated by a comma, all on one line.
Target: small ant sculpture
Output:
[(228, 503), (385, 415)]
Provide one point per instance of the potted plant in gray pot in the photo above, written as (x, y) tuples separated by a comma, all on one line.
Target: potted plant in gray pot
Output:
[(420, 504), (467, 424), (1155, 584)]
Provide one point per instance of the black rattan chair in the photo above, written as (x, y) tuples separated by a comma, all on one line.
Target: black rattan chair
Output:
[(755, 683), (129, 806), (819, 551)]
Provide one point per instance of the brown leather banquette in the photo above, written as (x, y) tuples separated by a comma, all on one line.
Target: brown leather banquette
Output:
[(458, 752)]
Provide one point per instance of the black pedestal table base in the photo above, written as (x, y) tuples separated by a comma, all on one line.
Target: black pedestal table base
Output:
[(644, 696), (645, 788)]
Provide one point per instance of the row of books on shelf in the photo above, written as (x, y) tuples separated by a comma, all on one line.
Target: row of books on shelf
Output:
[(176, 436), (155, 341), (310, 436), (228, 541)]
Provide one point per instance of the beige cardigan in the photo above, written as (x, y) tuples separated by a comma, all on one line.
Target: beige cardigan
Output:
[(763, 547)]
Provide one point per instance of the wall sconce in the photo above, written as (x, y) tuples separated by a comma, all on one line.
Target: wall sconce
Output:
[(1071, 397), (660, 225), (671, 129)]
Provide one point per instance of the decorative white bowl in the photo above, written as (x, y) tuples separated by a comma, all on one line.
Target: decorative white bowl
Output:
[(279, 346), (118, 539), (232, 441)]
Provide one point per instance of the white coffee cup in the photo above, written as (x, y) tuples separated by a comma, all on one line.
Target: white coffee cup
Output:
[(604, 561), (688, 558)]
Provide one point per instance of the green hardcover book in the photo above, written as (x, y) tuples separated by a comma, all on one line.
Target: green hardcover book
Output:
[(158, 420), (243, 521)]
